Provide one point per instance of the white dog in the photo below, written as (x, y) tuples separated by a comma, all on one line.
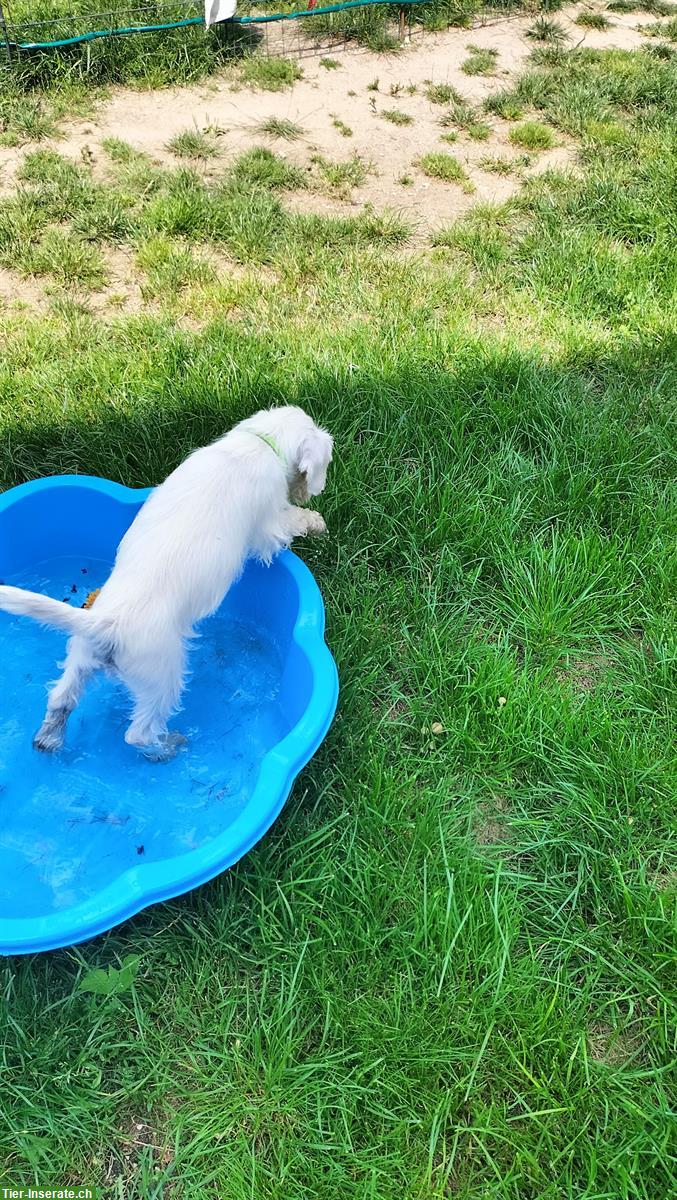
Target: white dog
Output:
[(188, 544)]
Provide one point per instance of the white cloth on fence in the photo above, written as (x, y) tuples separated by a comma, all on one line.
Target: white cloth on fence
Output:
[(219, 10)]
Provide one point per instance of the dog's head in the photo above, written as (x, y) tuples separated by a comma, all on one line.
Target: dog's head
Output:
[(312, 460), (305, 448)]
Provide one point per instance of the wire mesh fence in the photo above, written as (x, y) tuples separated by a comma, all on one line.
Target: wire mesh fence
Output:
[(105, 42)]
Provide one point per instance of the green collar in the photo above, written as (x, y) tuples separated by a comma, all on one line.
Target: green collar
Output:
[(265, 437)]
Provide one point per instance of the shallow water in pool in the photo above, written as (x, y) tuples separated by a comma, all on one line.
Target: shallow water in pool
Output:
[(72, 822)]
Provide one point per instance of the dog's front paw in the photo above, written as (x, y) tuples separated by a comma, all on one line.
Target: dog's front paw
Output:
[(316, 523)]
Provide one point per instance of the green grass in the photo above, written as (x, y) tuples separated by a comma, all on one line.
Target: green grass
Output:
[(330, 64), (341, 177), (496, 164), (593, 20), (663, 50), (548, 56), (439, 165), (448, 968), (546, 30), (260, 167), (193, 143), (532, 135), (270, 74), (504, 104), (481, 237), (662, 8), (666, 29), (170, 268), (67, 258), (482, 61), (158, 59), (443, 93), (465, 117), (343, 129), (281, 127), (396, 116)]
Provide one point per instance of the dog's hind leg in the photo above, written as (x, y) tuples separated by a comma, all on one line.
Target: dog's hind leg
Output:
[(81, 661), (156, 695)]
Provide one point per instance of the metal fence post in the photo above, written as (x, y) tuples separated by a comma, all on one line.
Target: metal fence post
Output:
[(5, 34)]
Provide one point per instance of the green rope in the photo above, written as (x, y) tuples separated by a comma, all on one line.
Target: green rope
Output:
[(123, 32)]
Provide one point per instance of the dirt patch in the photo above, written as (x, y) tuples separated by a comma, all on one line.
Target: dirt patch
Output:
[(141, 1149), (665, 881), (491, 824), (17, 292), (583, 674), (614, 1047)]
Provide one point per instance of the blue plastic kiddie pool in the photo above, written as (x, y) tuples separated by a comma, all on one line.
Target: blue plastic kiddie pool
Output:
[(95, 833)]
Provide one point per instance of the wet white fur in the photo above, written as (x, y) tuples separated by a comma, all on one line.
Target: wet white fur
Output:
[(227, 502)]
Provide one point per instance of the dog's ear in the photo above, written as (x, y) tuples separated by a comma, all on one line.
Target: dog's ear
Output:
[(314, 458)]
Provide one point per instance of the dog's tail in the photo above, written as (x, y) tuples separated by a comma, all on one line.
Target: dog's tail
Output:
[(47, 611)]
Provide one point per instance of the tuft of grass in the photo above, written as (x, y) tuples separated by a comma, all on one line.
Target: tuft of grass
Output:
[(478, 131), (663, 8), (373, 86), (330, 64), (343, 129), (666, 29), (498, 165), (532, 135), (396, 116), (23, 118), (548, 56), (381, 41), (592, 20), (463, 116), (406, 180), (67, 259), (369, 229), (341, 177), (449, 137), (396, 88), (443, 93), (482, 61), (270, 74), (547, 30), (193, 143), (663, 51), (440, 165), (281, 127), (259, 167), (170, 268), (505, 104), (480, 236), (121, 152)]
